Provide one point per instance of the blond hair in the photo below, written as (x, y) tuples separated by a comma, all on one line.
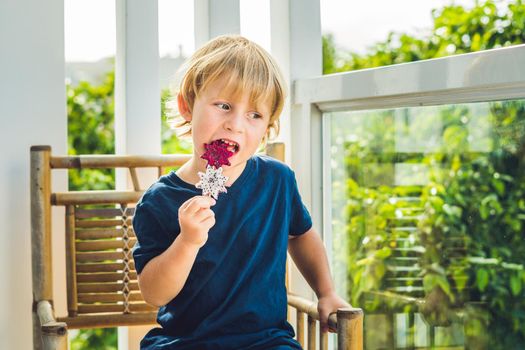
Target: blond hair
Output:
[(248, 68)]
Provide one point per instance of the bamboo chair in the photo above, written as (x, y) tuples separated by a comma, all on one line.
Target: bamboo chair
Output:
[(102, 287)]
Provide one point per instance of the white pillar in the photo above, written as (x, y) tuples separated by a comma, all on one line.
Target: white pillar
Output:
[(280, 49), (215, 17), (296, 43), (32, 112), (137, 103)]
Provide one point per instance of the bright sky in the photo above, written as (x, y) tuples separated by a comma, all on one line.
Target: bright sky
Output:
[(356, 24)]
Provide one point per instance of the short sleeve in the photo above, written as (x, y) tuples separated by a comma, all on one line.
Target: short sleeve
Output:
[(301, 221), (152, 237)]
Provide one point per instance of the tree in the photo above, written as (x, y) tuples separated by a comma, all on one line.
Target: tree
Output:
[(455, 30)]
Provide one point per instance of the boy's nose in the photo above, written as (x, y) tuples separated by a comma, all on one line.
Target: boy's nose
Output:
[(234, 122)]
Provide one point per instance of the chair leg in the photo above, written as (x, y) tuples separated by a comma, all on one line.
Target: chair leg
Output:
[(53, 333), (37, 332), (54, 341)]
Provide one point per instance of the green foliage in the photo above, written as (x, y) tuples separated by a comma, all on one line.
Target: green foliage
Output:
[(99, 338), (90, 131), (486, 25), (461, 231), (171, 143)]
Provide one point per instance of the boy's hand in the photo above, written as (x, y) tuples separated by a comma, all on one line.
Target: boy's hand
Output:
[(196, 219), (327, 305)]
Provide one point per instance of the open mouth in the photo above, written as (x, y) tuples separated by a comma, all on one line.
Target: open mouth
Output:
[(231, 146)]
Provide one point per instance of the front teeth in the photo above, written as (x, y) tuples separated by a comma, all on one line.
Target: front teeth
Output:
[(232, 144)]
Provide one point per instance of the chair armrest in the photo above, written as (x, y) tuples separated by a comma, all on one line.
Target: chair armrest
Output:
[(347, 321), (309, 307)]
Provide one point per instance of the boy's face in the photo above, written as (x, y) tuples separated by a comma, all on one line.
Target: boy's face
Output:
[(219, 115)]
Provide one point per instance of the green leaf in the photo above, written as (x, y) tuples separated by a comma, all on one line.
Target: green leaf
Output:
[(515, 285), (482, 279), (460, 278)]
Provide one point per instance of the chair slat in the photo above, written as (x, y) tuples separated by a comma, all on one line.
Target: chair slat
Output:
[(107, 297), (105, 287), (104, 277), (100, 223), (102, 245), (103, 212), (103, 267), (102, 233), (101, 308), (97, 256)]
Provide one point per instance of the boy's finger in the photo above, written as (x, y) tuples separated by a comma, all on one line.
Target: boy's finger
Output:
[(209, 221), (203, 214), (205, 201), (200, 202)]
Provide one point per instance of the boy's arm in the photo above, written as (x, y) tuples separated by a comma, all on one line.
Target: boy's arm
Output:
[(163, 277), (308, 253)]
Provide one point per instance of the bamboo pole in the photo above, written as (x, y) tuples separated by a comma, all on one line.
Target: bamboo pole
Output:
[(40, 174), (71, 273), (114, 161), (54, 334), (350, 330), (310, 308), (323, 340), (311, 332), (134, 178), (95, 197), (110, 320), (300, 328), (347, 322)]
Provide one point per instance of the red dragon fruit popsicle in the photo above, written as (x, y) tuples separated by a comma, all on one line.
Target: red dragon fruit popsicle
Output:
[(212, 182)]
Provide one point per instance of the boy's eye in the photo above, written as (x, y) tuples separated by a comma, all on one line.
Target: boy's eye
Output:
[(223, 105), (255, 115)]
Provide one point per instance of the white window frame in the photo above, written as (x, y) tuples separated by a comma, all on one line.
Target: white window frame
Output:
[(490, 75)]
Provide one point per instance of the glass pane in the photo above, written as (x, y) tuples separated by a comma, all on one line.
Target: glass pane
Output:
[(428, 223)]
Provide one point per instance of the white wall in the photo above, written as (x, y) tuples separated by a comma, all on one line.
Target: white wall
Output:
[(32, 111)]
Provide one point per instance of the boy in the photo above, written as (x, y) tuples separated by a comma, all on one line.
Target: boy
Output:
[(216, 267)]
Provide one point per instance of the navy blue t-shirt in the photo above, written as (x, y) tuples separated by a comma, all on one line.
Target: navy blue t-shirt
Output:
[(235, 295)]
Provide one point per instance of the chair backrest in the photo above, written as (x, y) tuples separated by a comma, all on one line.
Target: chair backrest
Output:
[(102, 286)]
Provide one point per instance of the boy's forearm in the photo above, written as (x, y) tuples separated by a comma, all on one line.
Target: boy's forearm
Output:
[(308, 253), (163, 277)]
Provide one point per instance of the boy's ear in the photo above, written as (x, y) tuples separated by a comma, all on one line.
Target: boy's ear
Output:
[(184, 110)]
